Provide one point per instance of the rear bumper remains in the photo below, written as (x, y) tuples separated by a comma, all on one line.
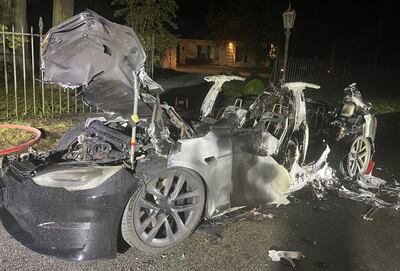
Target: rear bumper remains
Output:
[(73, 225)]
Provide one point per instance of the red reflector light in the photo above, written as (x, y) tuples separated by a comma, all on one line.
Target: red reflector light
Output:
[(370, 167)]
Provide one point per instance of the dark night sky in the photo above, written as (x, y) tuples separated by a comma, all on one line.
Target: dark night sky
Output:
[(362, 32)]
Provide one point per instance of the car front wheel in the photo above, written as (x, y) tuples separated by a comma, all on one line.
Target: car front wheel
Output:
[(164, 211)]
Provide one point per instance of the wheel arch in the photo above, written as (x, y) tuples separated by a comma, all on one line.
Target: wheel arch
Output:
[(371, 141)]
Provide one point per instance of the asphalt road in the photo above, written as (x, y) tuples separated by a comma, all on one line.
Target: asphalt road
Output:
[(331, 233)]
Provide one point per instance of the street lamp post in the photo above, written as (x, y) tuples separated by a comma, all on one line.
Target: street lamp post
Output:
[(288, 22)]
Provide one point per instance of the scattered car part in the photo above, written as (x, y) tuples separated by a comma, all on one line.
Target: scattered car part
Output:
[(276, 256), (312, 243), (368, 215)]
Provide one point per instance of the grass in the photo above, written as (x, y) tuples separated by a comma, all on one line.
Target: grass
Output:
[(386, 105), (52, 128), (13, 137), (52, 97)]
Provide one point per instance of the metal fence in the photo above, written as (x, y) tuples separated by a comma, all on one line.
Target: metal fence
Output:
[(22, 91), (373, 81)]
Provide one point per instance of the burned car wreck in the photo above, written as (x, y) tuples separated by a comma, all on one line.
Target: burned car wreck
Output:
[(147, 173)]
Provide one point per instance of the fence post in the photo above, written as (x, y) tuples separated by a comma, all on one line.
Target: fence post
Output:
[(23, 67), (5, 70), (67, 91), (41, 71), (76, 100), (33, 73), (15, 73), (152, 56), (83, 103), (60, 98), (271, 76), (52, 99)]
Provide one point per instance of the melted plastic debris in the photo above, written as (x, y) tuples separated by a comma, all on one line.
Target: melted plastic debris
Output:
[(368, 189), (287, 255), (256, 213), (368, 215), (368, 182), (319, 174)]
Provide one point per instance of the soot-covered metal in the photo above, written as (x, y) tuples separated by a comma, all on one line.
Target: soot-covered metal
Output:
[(90, 51)]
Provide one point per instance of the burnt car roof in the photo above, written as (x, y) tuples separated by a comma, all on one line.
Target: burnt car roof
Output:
[(90, 51)]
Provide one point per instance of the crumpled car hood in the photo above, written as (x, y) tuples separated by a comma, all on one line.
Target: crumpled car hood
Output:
[(90, 51)]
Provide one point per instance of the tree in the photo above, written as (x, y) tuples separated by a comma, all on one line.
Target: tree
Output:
[(6, 14), (148, 18), (20, 14), (62, 10), (13, 12), (250, 22)]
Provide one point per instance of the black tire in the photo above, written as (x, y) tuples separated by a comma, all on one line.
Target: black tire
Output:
[(70, 137), (133, 220), (357, 154)]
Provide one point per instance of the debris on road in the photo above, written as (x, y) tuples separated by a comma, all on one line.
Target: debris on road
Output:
[(319, 209), (322, 265), (287, 255), (370, 182), (256, 213), (312, 243), (269, 215), (182, 257), (368, 189), (212, 231), (368, 215)]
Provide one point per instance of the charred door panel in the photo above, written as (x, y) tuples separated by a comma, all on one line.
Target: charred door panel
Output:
[(256, 178)]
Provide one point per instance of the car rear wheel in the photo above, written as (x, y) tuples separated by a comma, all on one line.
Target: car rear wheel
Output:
[(164, 211), (357, 158)]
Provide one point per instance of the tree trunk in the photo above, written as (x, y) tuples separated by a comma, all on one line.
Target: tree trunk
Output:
[(13, 12), (20, 15), (62, 10), (6, 13)]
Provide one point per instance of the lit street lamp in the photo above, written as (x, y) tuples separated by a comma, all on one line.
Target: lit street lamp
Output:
[(288, 21)]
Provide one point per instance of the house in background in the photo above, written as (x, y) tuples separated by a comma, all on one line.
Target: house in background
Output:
[(196, 51), (169, 60)]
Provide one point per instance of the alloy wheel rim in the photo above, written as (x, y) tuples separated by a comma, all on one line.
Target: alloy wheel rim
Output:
[(358, 157), (165, 207)]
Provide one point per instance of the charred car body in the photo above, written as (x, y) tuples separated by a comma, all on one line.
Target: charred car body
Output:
[(348, 127), (146, 172)]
